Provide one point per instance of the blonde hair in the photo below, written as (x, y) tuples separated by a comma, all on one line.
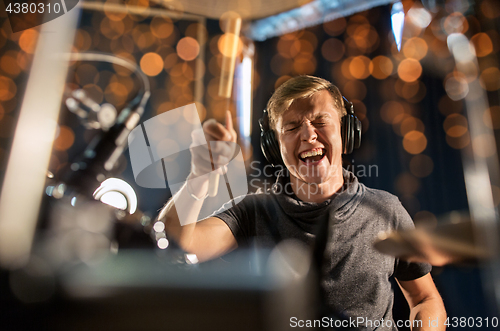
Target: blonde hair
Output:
[(297, 88)]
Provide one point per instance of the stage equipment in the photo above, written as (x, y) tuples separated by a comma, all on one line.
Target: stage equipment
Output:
[(102, 153), (450, 241), (25, 176)]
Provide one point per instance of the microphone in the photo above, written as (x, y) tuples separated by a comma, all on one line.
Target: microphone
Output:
[(102, 153)]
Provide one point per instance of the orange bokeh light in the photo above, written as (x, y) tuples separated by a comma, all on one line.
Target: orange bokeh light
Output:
[(27, 40), (151, 64), (490, 79), (414, 142), (8, 63), (359, 67), (482, 43), (161, 27), (415, 48), (335, 28), (381, 67), (226, 43), (409, 70), (333, 49), (188, 48), (65, 139), (8, 88), (391, 110)]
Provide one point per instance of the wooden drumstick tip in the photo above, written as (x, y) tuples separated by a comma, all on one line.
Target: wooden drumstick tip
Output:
[(213, 184)]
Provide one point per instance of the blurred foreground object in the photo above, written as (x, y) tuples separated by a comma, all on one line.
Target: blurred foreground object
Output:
[(24, 179), (452, 241), (141, 290)]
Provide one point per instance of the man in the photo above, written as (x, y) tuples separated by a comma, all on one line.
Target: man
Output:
[(305, 113)]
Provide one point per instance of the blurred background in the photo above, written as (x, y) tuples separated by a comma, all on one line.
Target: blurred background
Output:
[(391, 59)]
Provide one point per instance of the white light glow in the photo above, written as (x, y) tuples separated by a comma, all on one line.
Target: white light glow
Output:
[(191, 258), (117, 193), (162, 243), (397, 19), (159, 226), (115, 199), (420, 17)]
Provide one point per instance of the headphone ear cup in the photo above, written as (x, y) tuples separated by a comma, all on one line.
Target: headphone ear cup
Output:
[(346, 134), (357, 133), (270, 147)]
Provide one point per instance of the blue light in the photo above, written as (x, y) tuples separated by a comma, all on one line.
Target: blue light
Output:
[(397, 19)]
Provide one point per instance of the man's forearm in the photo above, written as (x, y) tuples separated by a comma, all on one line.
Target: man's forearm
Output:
[(181, 230), (432, 314)]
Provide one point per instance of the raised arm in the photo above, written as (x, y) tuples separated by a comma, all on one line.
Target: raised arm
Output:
[(211, 237)]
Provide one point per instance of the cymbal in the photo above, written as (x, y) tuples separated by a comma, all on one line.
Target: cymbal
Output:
[(443, 244)]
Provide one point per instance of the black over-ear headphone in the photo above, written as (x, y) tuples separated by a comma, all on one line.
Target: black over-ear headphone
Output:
[(350, 132)]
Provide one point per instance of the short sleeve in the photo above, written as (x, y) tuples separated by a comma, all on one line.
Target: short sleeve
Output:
[(407, 270), (237, 219)]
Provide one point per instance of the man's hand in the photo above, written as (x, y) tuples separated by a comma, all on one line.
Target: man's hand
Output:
[(220, 148)]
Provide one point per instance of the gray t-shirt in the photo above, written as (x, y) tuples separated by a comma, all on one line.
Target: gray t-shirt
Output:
[(355, 277)]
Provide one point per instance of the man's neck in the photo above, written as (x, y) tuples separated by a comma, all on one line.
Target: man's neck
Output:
[(312, 192)]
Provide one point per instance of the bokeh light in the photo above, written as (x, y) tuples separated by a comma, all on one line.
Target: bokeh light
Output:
[(112, 29), (414, 142), (455, 23), (409, 124), (456, 86), (8, 88), (415, 48), (490, 8), (391, 111), (226, 42), (287, 47), (409, 70), (482, 43), (359, 67), (490, 79), (27, 40), (151, 64), (188, 48), (94, 92), (355, 90), (304, 64), (161, 27), (336, 27), (332, 49), (65, 139), (8, 64), (381, 67)]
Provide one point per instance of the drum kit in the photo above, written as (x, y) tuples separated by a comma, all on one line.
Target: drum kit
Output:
[(454, 239)]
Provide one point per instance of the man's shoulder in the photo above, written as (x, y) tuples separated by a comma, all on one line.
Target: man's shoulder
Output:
[(380, 196)]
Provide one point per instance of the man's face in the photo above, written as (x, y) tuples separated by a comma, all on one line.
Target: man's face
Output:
[(310, 139)]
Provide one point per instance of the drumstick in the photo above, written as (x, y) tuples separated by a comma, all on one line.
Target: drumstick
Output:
[(232, 26)]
